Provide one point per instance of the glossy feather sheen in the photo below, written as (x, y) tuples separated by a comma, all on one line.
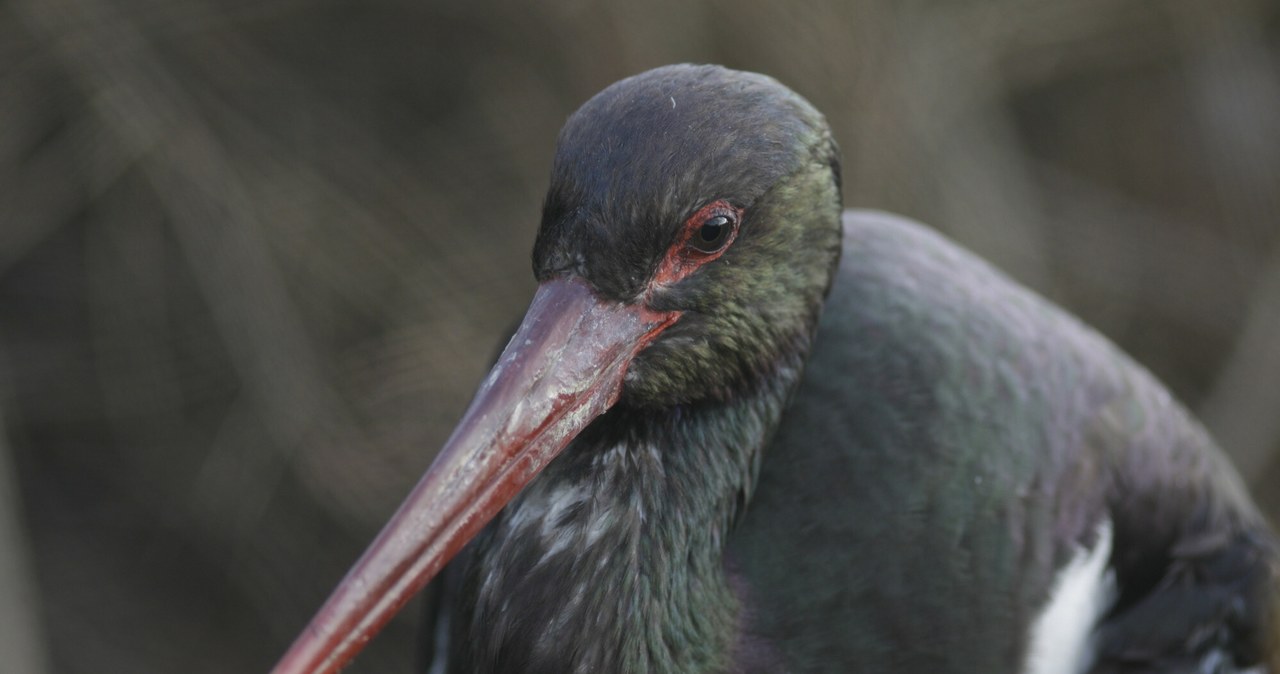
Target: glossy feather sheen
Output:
[(875, 535), (896, 488), (931, 480), (620, 538)]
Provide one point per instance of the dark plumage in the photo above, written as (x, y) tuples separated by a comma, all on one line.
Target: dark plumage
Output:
[(980, 435), (902, 486)]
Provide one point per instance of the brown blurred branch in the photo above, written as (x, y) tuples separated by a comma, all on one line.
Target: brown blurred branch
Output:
[(1243, 408), (1237, 96), (150, 115), (22, 642)]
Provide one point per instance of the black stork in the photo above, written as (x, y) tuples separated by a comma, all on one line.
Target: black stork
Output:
[(740, 430)]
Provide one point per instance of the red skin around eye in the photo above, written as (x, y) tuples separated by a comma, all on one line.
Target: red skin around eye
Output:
[(682, 259)]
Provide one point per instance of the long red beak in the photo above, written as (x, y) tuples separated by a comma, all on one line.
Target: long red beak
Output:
[(563, 368)]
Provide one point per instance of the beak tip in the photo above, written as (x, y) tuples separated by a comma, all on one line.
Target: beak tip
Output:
[(564, 367)]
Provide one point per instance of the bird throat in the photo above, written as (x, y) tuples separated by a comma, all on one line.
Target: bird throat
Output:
[(613, 558)]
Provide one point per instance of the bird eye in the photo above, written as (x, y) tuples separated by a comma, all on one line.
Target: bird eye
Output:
[(713, 234)]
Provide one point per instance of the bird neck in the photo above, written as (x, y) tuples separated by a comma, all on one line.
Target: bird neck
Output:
[(612, 559)]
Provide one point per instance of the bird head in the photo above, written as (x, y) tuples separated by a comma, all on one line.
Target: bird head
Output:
[(689, 235), (702, 192)]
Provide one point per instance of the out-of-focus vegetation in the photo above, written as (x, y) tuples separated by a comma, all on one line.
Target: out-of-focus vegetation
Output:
[(255, 254)]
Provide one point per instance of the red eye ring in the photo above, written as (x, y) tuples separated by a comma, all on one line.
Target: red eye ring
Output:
[(711, 229), (706, 235)]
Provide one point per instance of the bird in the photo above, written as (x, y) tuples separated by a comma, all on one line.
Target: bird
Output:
[(741, 429)]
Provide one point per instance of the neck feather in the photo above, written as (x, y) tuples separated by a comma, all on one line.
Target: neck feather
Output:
[(612, 559)]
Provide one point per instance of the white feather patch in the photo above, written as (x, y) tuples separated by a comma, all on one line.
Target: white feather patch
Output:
[(1082, 592)]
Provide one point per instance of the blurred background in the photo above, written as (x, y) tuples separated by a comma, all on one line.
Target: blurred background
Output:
[(255, 254)]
